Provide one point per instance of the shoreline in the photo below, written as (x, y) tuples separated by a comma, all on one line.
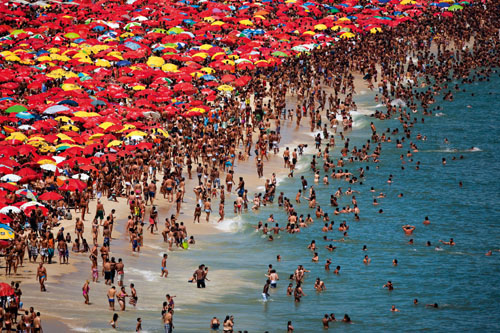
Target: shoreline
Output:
[(295, 136)]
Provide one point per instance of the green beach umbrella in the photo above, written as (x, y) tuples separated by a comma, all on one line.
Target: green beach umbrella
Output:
[(279, 54), (455, 8), (175, 31), (72, 35), (333, 10), (17, 32), (16, 109)]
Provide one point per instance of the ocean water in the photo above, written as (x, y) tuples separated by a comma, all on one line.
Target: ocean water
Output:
[(461, 279)]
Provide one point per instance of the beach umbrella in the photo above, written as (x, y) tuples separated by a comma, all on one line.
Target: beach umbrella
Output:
[(10, 209), (26, 193), (50, 196), (225, 87), (73, 185), (455, 8), (81, 176), (16, 109), (11, 178), (24, 115), (5, 289)]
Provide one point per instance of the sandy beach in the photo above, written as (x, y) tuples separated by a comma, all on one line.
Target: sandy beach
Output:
[(133, 96)]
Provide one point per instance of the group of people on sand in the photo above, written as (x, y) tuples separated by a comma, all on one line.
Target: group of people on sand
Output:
[(14, 317)]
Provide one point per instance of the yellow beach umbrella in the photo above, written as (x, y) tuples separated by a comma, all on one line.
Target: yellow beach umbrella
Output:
[(106, 125), (201, 55), (46, 161), (246, 22), (96, 136), (155, 61), (225, 87), (64, 119), (102, 63), (169, 68), (16, 136), (70, 128), (208, 70), (375, 30), (68, 87), (84, 114), (206, 47), (64, 137), (136, 133), (126, 127), (114, 143), (347, 35), (320, 27)]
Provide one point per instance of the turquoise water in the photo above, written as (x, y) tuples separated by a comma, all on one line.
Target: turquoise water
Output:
[(461, 279)]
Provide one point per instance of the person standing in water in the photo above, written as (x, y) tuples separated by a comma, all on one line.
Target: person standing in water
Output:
[(265, 291), (41, 275), (85, 291)]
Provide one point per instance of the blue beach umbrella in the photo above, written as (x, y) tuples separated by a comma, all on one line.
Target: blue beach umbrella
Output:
[(68, 102), (123, 63), (24, 115), (208, 77), (132, 46)]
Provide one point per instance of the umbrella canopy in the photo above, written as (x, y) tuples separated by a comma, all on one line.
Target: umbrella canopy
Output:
[(5, 288), (50, 196)]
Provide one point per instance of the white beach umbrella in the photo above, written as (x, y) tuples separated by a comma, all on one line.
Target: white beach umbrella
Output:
[(10, 209), (49, 167), (58, 159), (11, 178), (80, 176), (26, 127), (31, 203)]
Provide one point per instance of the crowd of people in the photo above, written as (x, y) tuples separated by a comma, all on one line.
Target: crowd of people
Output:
[(158, 167)]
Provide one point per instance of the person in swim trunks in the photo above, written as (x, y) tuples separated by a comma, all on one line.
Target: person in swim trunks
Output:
[(41, 275), (111, 298), (99, 210)]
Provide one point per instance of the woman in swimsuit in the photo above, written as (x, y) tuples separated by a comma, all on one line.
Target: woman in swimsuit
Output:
[(121, 298)]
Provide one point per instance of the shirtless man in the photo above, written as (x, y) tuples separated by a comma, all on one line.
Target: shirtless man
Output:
[(79, 228), (152, 191), (111, 298), (41, 276), (408, 229), (451, 242), (119, 267)]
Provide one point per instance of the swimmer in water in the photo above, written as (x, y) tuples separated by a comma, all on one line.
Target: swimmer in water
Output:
[(388, 285), (408, 229), (435, 305), (451, 242), (393, 309)]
